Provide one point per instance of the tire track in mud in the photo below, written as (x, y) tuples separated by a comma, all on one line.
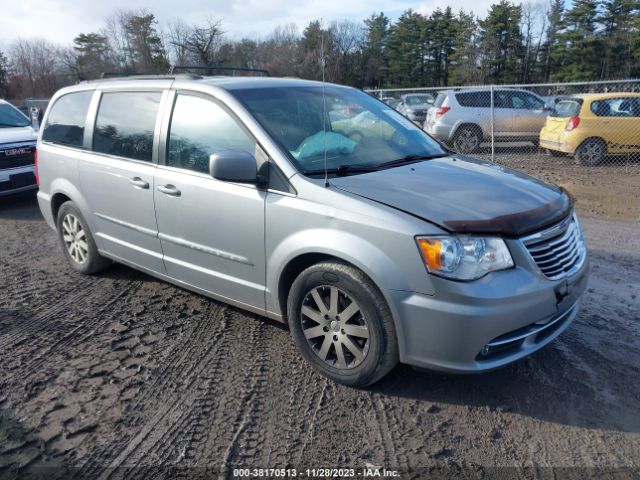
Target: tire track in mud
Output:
[(171, 393), (247, 438), (41, 344)]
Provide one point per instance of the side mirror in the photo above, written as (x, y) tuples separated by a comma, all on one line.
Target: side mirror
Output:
[(547, 108), (234, 166)]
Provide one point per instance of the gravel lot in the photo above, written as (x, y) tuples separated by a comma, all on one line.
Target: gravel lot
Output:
[(122, 370)]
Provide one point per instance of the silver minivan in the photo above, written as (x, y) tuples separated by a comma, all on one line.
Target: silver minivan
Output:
[(373, 242), (463, 118)]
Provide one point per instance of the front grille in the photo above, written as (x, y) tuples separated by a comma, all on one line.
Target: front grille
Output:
[(10, 159), (558, 251)]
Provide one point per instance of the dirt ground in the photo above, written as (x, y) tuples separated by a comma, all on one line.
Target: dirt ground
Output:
[(124, 375), (610, 190)]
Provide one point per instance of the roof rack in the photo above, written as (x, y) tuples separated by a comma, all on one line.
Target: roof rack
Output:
[(212, 68), (138, 75), (172, 75)]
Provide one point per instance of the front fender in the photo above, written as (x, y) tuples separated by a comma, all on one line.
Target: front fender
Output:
[(343, 245)]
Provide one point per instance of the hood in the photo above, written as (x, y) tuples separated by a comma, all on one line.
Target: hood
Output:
[(464, 195), (17, 135)]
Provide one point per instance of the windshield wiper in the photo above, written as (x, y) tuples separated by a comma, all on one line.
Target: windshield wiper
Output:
[(344, 169), (410, 159), (8, 125)]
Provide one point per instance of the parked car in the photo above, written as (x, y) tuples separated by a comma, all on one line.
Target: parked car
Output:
[(591, 126), (385, 249), (462, 118), (391, 101), (17, 151), (415, 106)]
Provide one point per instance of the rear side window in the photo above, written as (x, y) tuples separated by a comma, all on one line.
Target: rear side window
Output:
[(200, 128), (480, 99), (65, 122), (125, 124), (616, 107)]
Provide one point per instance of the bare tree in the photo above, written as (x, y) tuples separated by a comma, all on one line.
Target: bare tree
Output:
[(39, 66)]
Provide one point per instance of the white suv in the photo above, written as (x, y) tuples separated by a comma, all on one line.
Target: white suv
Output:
[(17, 151)]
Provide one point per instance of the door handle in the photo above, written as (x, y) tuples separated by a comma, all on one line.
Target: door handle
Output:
[(139, 183), (169, 190)]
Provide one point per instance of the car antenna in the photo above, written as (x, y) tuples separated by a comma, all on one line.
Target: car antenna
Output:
[(324, 105)]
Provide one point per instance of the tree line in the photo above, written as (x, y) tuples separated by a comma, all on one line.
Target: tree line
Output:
[(513, 43)]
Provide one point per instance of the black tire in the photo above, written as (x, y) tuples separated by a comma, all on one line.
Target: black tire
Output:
[(85, 258), (467, 139), (380, 346), (591, 152)]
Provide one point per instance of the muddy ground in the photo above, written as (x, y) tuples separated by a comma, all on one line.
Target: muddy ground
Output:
[(122, 370)]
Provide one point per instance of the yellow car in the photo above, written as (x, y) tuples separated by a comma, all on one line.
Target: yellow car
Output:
[(591, 126)]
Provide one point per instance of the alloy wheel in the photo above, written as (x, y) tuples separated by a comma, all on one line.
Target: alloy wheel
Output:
[(75, 238), (334, 327), (467, 140), (591, 152)]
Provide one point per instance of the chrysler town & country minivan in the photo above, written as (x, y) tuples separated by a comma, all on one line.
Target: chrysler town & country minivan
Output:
[(373, 242)]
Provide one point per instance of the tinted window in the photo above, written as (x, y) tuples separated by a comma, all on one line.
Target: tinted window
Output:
[(65, 123), (200, 128), (616, 107), (567, 108), (480, 99), (125, 124)]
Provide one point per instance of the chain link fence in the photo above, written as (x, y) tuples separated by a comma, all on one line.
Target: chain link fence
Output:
[(582, 136)]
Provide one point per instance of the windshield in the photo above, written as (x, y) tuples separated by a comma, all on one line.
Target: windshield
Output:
[(567, 108), (361, 132), (12, 117), (418, 99)]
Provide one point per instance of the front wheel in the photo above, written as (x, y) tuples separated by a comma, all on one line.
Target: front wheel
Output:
[(77, 242), (342, 325)]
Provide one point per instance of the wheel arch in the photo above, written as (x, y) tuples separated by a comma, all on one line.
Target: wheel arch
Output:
[(295, 254), (62, 191), (472, 125)]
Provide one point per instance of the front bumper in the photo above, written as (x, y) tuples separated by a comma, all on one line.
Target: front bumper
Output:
[(508, 315)]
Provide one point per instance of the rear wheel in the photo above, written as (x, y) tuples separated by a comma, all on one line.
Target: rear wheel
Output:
[(467, 139), (77, 242), (341, 324), (591, 152)]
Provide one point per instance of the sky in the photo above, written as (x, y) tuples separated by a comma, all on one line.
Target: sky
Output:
[(59, 21)]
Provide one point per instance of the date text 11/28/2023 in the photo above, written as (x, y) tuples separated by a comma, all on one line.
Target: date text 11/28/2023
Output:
[(369, 471)]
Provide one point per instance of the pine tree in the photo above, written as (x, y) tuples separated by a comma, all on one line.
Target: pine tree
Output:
[(617, 18), (501, 42), (405, 51), (377, 29), (579, 50)]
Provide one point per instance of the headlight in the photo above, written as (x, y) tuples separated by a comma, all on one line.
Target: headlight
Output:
[(464, 257)]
